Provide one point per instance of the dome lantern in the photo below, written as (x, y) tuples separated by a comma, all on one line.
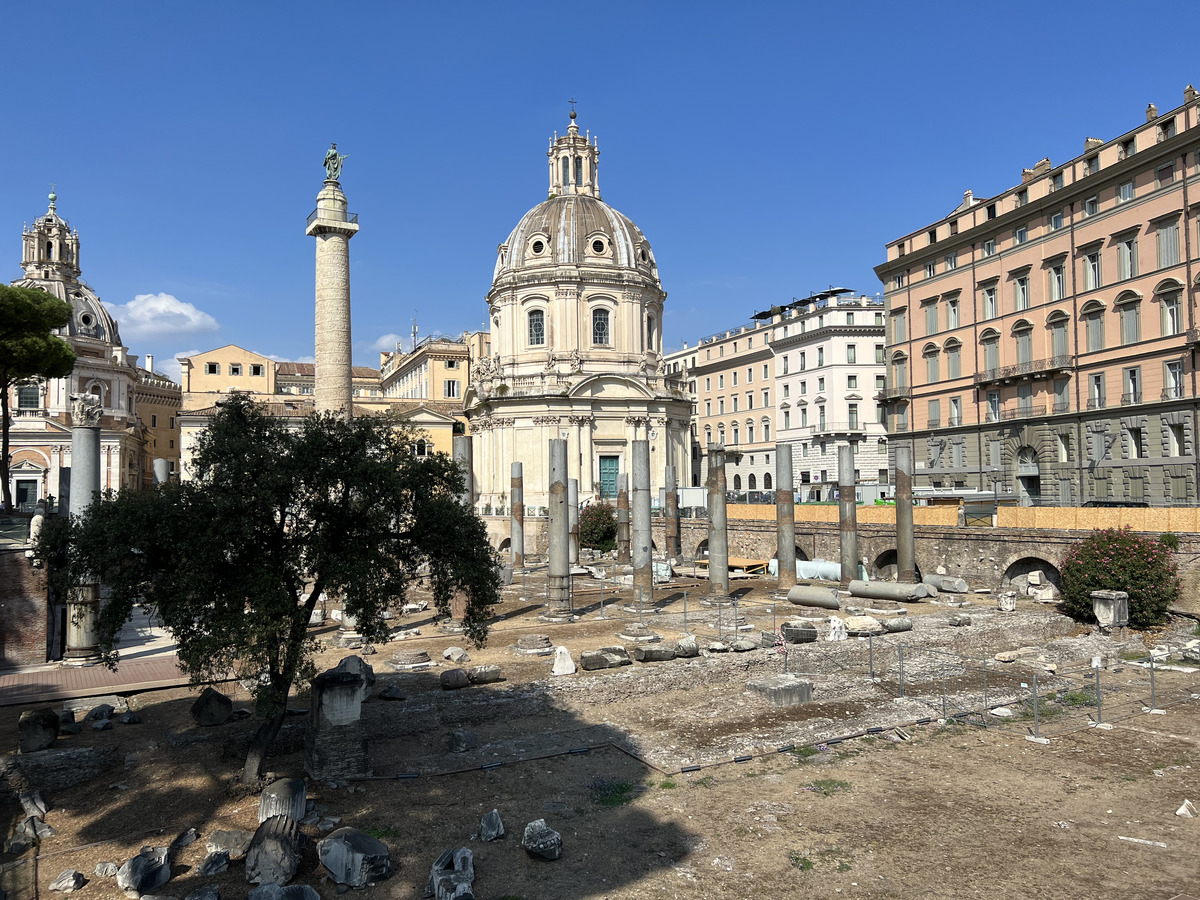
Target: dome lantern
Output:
[(574, 162)]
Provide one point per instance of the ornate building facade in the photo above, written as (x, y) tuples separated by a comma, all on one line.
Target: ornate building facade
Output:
[(576, 311), (104, 368)]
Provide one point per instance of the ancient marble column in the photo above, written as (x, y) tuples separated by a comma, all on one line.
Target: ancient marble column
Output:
[(517, 536), (333, 226), (623, 518), (785, 516), (560, 568), (461, 445), (641, 540), (573, 521), (83, 603), (718, 533), (671, 510), (847, 514), (906, 570)]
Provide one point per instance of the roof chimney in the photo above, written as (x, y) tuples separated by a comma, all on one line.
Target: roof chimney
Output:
[(1090, 144), (1151, 112), (150, 363), (1190, 94)]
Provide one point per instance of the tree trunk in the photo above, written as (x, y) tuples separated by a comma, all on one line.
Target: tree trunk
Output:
[(260, 744)]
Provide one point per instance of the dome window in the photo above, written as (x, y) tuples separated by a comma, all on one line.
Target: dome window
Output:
[(537, 328), (539, 247), (86, 320), (643, 255), (597, 246), (601, 333)]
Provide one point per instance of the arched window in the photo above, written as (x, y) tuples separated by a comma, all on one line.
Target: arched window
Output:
[(991, 349), (932, 373), (1168, 292), (1093, 321), (749, 432), (752, 482), (899, 370), (578, 171), (566, 171), (49, 250), (1059, 345), (707, 435), (767, 481), (651, 333), (420, 448), (537, 327), (737, 482), (721, 433), (1023, 335), (601, 331), (953, 358)]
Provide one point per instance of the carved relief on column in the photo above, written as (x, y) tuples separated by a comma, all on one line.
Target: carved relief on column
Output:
[(86, 410), (546, 420)]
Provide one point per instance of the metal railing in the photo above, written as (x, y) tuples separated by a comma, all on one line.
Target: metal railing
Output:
[(1062, 406), (1033, 367), (1131, 397), (1173, 393), (837, 427), (1095, 403), (1023, 412), (933, 422), (329, 215), (893, 393)]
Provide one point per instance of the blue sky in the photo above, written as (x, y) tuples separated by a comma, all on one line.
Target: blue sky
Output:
[(766, 149)]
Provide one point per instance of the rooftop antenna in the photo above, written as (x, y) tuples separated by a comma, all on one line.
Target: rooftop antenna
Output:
[(414, 334)]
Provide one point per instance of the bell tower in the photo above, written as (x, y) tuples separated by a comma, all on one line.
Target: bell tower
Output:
[(574, 161), (50, 249)]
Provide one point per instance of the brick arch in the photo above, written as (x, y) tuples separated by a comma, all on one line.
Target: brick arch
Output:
[(1017, 567), (884, 566), (505, 544)]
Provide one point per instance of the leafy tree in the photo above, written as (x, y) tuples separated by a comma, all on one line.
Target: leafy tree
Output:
[(235, 560), (28, 349), (1116, 559), (598, 527)]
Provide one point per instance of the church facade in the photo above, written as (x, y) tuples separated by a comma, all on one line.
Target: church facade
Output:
[(576, 311), (41, 408)]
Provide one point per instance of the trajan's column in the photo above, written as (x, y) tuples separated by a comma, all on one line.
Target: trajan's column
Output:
[(333, 226)]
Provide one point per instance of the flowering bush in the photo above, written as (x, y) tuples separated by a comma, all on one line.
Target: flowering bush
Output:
[(598, 527), (1116, 559)]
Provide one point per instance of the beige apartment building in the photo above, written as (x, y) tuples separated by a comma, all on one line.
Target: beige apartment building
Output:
[(232, 368), (734, 377), (1042, 342), (829, 365), (158, 402), (438, 368)]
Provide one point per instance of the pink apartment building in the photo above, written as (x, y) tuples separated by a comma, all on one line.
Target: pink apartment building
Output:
[(1042, 342)]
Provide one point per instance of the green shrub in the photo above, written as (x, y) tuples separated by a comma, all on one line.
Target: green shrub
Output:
[(1115, 559), (598, 527), (1169, 539)]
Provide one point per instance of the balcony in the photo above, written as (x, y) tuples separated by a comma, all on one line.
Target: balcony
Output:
[(1023, 412), (1061, 406), (900, 427), (29, 413), (1172, 393), (954, 421), (1193, 335), (903, 392), (1095, 403), (1036, 369), (854, 425), (330, 215), (1131, 397), (934, 423)]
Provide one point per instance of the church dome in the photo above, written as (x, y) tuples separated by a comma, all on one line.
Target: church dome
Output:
[(576, 230)]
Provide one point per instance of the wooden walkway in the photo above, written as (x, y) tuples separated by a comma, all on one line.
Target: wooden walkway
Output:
[(48, 683)]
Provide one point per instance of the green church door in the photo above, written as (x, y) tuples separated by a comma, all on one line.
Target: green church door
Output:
[(609, 466)]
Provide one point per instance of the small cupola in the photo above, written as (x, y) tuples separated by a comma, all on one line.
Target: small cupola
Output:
[(574, 161)]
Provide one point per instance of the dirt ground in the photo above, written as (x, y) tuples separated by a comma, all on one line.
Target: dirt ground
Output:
[(930, 810)]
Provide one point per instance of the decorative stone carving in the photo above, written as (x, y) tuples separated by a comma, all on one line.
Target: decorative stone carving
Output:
[(86, 410)]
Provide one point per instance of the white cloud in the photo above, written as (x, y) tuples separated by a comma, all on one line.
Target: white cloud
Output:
[(386, 343), (151, 316)]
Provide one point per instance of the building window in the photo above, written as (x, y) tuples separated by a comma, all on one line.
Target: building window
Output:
[(1126, 149), (879, 354), (935, 414), (1091, 206), (1056, 181), (1125, 192), (787, 391), (952, 312), (1021, 293), (821, 385), (1058, 336), (989, 302), (735, 431), (1094, 328), (766, 397), (1131, 323), (721, 382), (1022, 197), (720, 406), (1020, 234), (787, 418), (1167, 236), (785, 365), (1165, 174), (1171, 321), (930, 269), (820, 356), (931, 317), (1091, 165), (450, 389), (931, 366), (1134, 446), (1056, 221), (1127, 266), (1024, 336), (256, 370), (1175, 444), (1173, 380), (750, 439), (852, 382), (1058, 283), (1096, 391), (1092, 275), (735, 378), (955, 411), (28, 396), (537, 327), (951, 262), (991, 352), (991, 210), (953, 359), (601, 332), (235, 369), (898, 281), (766, 371), (989, 247), (212, 368), (1131, 380), (708, 407), (153, 421)]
